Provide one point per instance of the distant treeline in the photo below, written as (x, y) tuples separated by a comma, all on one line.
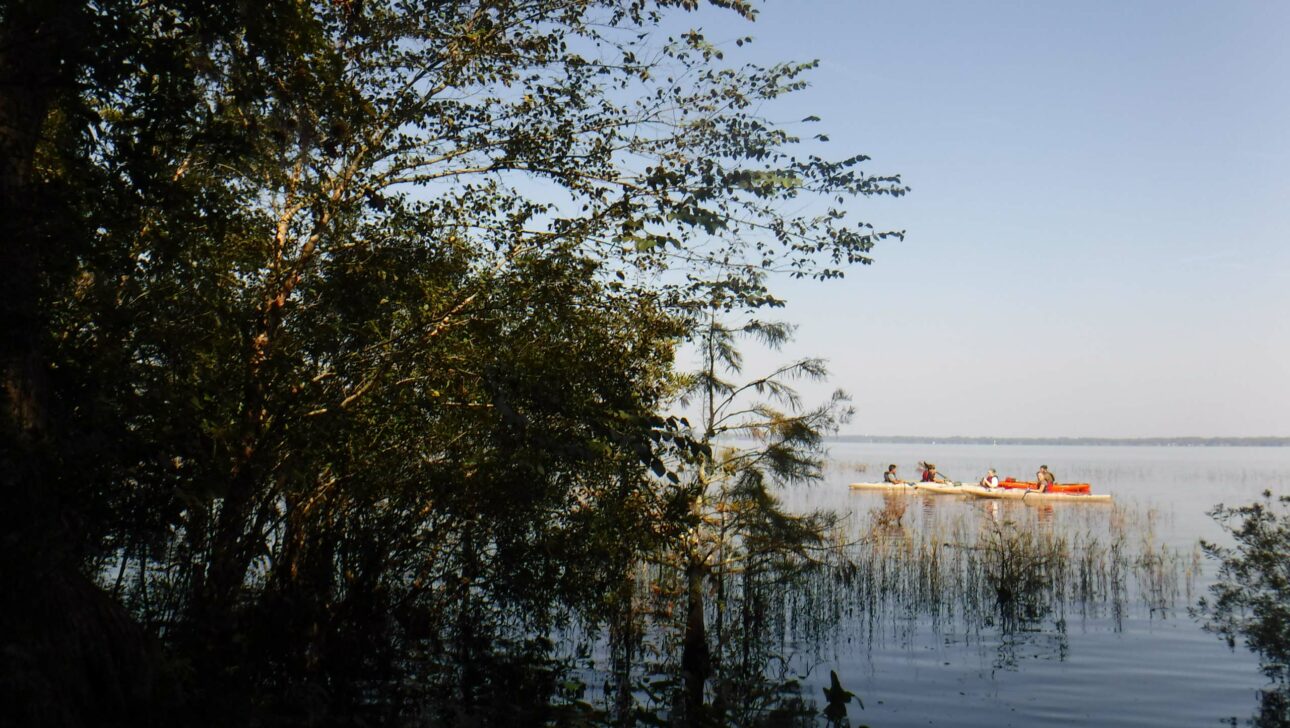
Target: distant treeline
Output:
[(1126, 441)]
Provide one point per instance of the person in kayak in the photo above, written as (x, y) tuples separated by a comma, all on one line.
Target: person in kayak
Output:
[(931, 476), (991, 479), (1044, 478), (891, 477)]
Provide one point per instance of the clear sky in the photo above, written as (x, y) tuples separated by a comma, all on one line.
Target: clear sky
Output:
[(1098, 227)]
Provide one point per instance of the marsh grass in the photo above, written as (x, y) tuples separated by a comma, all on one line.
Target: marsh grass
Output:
[(1005, 573), (995, 565), (891, 516), (847, 467)]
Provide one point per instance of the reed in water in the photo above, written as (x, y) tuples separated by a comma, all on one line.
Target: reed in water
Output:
[(989, 570)]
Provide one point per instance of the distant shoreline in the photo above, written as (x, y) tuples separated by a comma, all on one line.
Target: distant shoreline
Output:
[(1063, 441)]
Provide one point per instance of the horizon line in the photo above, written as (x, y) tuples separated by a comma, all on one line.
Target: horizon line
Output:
[(1258, 440)]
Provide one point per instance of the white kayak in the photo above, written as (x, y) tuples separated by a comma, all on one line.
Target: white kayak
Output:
[(938, 488), (882, 486), (942, 488), (1034, 495), (954, 488)]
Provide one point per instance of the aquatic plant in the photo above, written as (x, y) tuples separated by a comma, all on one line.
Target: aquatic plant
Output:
[(890, 516), (1009, 574), (990, 566), (1250, 600)]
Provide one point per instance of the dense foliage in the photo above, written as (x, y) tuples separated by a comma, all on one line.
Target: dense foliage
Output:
[(340, 332), (1251, 598)]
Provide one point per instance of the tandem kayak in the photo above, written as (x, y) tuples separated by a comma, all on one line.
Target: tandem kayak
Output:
[(952, 488), (945, 488), (1034, 495), (941, 488), (1054, 488), (882, 486)]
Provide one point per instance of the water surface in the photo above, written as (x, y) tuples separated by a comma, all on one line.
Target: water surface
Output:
[(1120, 651)]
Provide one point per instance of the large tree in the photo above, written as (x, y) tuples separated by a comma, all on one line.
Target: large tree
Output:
[(340, 326)]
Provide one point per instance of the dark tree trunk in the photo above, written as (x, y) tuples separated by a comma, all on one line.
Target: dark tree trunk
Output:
[(70, 654), (696, 661), (623, 638), (34, 69)]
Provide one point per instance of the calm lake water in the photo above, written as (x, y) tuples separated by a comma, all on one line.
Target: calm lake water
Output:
[(1123, 652)]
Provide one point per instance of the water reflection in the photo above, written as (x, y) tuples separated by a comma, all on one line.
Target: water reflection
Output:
[(1006, 561), (1014, 645), (992, 509), (1046, 513), (1003, 575)]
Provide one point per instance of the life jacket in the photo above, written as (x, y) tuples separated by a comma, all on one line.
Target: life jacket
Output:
[(927, 476)]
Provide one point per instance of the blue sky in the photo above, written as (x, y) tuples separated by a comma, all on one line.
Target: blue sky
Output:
[(1098, 223)]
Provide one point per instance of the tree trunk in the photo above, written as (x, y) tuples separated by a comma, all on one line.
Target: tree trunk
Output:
[(34, 41), (623, 635), (696, 661), (69, 653)]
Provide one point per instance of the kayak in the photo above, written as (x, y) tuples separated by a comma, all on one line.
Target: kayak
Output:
[(943, 488), (983, 492), (882, 486), (1054, 488), (1034, 495), (940, 488)]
